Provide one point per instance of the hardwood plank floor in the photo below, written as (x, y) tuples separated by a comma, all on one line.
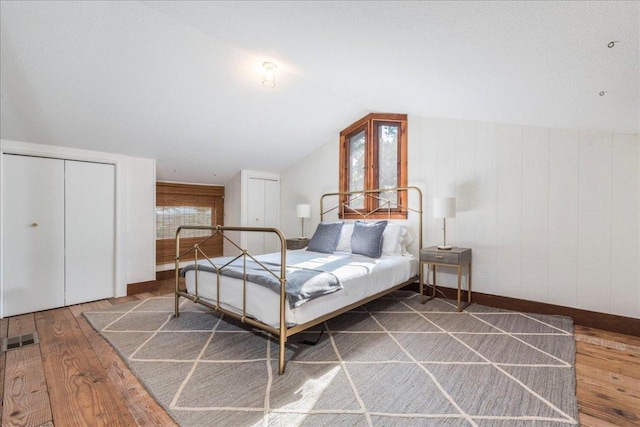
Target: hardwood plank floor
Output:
[(4, 325), (26, 396), (144, 409), (88, 382)]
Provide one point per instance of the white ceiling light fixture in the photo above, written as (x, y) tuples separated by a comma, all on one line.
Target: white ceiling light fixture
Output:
[(269, 76)]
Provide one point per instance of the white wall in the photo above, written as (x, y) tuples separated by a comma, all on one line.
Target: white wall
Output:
[(551, 215), (135, 207), (141, 219), (305, 182)]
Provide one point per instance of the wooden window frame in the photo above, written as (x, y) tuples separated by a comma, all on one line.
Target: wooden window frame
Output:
[(370, 125)]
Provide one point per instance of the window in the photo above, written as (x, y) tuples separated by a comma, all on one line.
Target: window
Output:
[(169, 218), (186, 204), (373, 155)]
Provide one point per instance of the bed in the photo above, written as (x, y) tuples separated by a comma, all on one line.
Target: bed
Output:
[(336, 273)]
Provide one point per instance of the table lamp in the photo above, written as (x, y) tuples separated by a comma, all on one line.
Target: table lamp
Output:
[(444, 208), (302, 212)]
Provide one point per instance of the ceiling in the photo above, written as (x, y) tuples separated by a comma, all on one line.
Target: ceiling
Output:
[(181, 81)]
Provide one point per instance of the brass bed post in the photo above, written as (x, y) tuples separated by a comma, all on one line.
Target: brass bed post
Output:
[(282, 339), (176, 295)]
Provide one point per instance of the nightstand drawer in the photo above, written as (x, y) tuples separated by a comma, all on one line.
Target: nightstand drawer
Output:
[(440, 257), (454, 256)]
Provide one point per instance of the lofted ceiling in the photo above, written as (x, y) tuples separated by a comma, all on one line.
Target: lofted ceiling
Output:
[(181, 81)]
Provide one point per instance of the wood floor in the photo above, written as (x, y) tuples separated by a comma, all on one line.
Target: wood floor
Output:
[(74, 377)]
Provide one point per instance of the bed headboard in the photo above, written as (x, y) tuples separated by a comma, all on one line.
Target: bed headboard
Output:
[(407, 210)]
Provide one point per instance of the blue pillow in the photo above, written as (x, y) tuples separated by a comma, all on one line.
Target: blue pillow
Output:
[(326, 237), (367, 238)]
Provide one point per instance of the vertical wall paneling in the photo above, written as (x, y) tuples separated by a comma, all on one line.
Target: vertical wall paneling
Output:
[(429, 172), (625, 204), (594, 221), (141, 219), (564, 159), (551, 215), (312, 176), (445, 184), (485, 248), (465, 183), (509, 210), (535, 213)]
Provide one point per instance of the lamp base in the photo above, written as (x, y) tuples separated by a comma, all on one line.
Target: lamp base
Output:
[(444, 247)]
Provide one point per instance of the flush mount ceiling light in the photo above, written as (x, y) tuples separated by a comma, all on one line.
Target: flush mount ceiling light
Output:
[(602, 93), (269, 76)]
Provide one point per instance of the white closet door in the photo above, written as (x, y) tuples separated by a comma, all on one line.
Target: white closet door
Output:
[(33, 234), (255, 215), (271, 202), (90, 227)]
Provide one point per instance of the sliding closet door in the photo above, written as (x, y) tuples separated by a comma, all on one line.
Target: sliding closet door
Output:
[(32, 234), (90, 231)]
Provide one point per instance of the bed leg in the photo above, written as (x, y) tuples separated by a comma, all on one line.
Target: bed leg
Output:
[(283, 340), (177, 306)]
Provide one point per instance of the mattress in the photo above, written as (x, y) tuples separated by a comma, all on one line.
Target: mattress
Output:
[(359, 275)]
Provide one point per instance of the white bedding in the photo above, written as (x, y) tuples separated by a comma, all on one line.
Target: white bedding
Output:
[(360, 276)]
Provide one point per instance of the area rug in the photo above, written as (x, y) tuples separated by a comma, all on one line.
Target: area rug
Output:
[(392, 362)]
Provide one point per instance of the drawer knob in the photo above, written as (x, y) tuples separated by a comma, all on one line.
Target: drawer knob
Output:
[(439, 256)]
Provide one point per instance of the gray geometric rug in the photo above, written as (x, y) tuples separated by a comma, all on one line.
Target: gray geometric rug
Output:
[(393, 362)]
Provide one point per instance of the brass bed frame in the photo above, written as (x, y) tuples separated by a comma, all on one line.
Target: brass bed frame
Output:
[(283, 331)]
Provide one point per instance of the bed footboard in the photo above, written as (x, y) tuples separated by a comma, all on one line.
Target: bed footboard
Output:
[(244, 255)]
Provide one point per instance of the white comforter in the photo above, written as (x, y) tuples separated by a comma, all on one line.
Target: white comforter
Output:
[(360, 277)]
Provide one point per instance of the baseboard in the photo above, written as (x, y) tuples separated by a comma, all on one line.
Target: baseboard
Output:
[(592, 319), (140, 287), (166, 274)]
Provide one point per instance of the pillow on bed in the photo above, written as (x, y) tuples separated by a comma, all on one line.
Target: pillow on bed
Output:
[(325, 239), (344, 243), (367, 238), (392, 239), (406, 241)]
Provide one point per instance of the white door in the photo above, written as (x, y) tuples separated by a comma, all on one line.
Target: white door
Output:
[(32, 234), (255, 215), (271, 213), (263, 198), (90, 231)]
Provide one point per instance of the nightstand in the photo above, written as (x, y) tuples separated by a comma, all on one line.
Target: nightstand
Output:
[(456, 258), (297, 243)]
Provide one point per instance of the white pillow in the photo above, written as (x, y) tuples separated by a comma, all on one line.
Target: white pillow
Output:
[(392, 239), (406, 241), (344, 243)]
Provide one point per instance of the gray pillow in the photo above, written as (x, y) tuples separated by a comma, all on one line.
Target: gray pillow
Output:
[(326, 237), (367, 238)]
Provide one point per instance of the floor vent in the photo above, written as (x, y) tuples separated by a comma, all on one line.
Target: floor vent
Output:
[(19, 341)]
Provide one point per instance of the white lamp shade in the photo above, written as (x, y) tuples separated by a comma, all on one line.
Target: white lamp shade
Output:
[(444, 207), (303, 211)]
